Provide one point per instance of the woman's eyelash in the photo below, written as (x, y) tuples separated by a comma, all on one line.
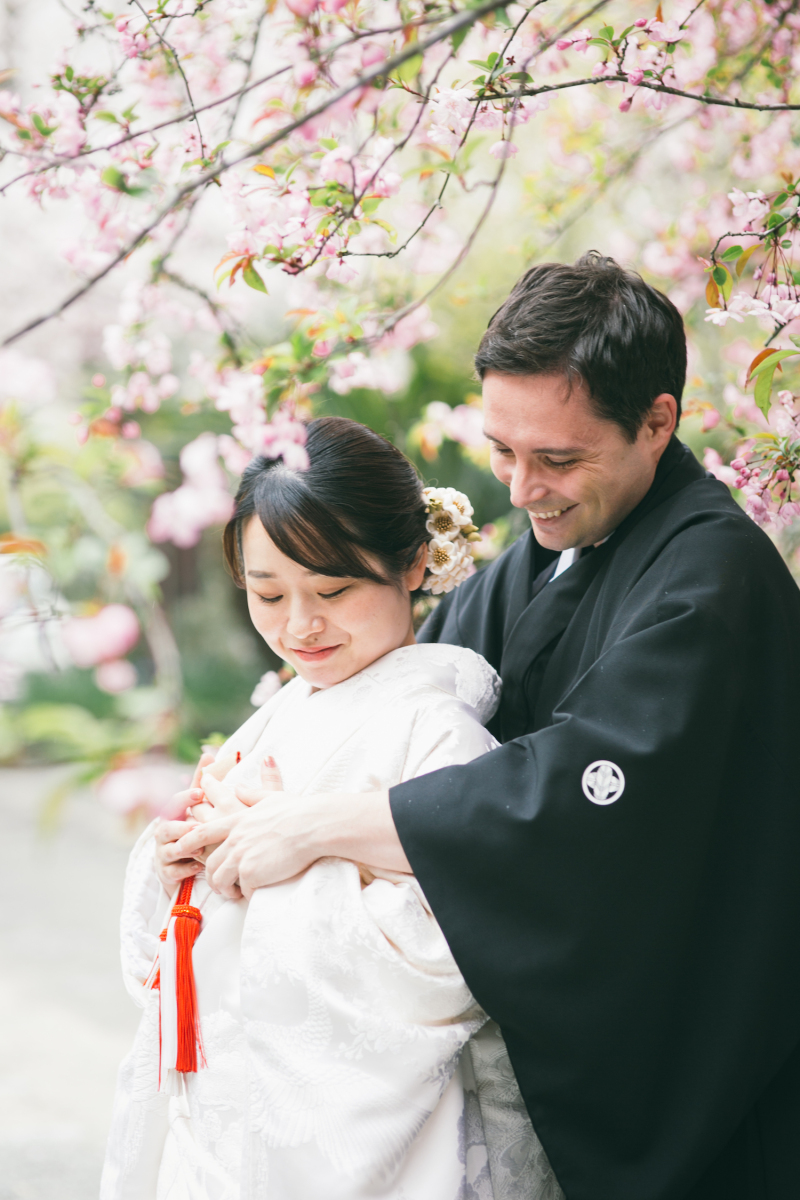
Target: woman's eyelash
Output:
[(333, 595), (269, 599)]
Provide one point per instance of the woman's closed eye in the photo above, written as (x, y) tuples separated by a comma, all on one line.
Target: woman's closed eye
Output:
[(332, 595), (268, 599)]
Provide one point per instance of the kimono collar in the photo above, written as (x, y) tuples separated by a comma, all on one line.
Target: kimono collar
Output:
[(545, 617)]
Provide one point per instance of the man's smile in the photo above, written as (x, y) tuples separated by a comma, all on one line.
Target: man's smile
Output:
[(551, 514)]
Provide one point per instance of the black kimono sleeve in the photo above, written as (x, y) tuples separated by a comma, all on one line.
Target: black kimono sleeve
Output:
[(642, 956)]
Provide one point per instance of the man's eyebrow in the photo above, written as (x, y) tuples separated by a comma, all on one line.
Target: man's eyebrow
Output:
[(541, 449)]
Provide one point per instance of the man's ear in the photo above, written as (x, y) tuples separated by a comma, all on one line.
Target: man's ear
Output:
[(416, 573), (662, 420)]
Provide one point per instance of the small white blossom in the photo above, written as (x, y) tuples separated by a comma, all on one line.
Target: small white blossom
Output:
[(268, 686)]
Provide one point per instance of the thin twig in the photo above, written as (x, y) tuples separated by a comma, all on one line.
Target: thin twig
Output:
[(380, 70), (181, 72)]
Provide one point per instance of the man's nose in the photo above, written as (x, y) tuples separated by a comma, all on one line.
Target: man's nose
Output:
[(526, 488), (304, 620)]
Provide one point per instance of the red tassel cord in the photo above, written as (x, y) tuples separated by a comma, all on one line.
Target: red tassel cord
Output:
[(187, 927)]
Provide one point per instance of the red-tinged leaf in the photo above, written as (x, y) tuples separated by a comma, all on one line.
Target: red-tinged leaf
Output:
[(239, 266), (263, 169), (759, 358), (712, 294), (17, 543), (226, 258)]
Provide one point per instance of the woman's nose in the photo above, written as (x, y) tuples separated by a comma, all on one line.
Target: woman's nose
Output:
[(304, 621)]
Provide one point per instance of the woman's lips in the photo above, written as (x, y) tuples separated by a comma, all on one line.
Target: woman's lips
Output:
[(317, 654)]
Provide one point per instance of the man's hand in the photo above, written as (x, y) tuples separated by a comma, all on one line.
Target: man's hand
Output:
[(283, 834)]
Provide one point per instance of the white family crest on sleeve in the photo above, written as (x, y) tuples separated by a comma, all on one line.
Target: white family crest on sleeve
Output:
[(603, 782)]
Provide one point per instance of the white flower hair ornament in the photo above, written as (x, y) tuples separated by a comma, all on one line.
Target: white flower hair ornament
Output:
[(449, 551)]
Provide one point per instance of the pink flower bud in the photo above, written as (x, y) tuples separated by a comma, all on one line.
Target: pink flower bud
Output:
[(563, 43), (641, 23), (782, 475), (302, 8), (738, 464), (711, 418), (635, 77), (131, 429), (305, 73), (625, 105)]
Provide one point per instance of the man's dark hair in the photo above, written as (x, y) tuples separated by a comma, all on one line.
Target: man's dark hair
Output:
[(596, 322)]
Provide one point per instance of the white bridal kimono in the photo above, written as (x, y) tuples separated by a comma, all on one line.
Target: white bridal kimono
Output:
[(333, 1015)]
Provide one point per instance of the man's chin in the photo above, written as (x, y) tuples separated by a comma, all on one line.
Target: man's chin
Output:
[(558, 533)]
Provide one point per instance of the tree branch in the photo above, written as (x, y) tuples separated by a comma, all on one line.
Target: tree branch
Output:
[(380, 70)]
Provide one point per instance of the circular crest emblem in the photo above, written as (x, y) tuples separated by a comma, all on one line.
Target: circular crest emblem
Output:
[(603, 782)]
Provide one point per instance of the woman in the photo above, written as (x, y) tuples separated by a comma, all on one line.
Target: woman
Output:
[(332, 1018)]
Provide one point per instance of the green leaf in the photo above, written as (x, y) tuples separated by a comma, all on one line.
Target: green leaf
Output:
[(44, 130), (763, 389), (476, 62), (410, 69), (723, 279), (252, 278), (731, 254), (129, 113), (763, 375), (114, 178), (458, 37), (69, 73), (328, 143), (106, 116), (492, 59), (370, 204), (606, 32), (502, 18), (786, 244), (771, 362)]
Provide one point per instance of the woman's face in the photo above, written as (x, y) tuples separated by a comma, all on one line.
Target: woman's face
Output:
[(326, 628)]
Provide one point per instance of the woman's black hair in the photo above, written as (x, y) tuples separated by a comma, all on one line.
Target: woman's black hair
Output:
[(359, 503)]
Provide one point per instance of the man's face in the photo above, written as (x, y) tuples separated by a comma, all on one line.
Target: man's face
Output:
[(576, 474)]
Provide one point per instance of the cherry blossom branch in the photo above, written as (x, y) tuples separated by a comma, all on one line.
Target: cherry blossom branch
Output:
[(438, 201), (381, 70), (181, 72), (645, 83)]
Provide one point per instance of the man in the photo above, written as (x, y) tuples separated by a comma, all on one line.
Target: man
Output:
[(619, 881)]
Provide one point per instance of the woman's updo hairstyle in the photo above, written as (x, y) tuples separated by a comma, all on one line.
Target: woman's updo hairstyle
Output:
[(359, 500)]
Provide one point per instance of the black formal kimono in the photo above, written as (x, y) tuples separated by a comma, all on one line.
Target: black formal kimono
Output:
[(620, 880)]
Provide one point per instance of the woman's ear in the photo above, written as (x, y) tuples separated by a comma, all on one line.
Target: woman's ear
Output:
[(416, 573)]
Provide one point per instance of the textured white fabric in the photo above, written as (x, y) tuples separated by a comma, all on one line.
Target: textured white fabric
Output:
[(333, 1014)]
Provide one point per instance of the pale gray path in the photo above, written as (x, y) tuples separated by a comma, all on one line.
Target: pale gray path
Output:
[(65, 1018)]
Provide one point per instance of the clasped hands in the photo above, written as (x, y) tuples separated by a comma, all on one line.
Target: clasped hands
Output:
[(243, 842), (251, 837)]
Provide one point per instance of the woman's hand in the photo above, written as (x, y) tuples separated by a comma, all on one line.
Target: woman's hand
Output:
[(171, 868)]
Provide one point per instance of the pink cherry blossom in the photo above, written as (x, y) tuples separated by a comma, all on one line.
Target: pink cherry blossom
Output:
[(117, 675), (711, 418), (302, 8), (712, 461), (503, 150), (108, 635), (666, 31), (150, 785)]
